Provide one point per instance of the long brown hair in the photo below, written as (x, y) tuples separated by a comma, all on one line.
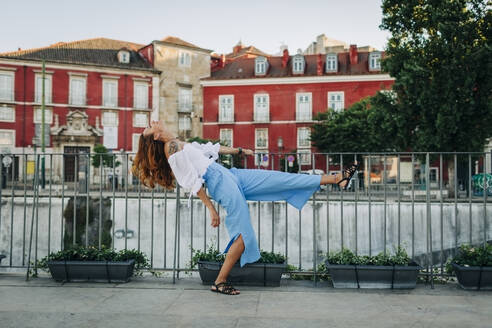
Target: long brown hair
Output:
[(150, 164)]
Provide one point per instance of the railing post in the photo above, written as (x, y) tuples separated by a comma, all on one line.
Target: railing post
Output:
[(428, 219)]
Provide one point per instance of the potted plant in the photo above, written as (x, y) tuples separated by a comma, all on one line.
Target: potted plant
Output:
[(80, 263), (267, 271), (396, 271), (473, 267)]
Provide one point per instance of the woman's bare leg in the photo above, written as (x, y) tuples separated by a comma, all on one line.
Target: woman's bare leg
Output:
[(233, 254)]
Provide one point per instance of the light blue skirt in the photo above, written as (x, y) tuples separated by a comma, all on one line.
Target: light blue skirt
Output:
[(232, 188)]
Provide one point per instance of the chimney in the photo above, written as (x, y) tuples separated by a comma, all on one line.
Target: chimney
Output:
[(353, 54), (237, 48), (222, 61), (285, 57), (319, 65)]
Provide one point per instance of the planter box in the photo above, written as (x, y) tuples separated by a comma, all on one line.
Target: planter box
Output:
[(91, 270), (372, 276), (253, 274), (474, 278)]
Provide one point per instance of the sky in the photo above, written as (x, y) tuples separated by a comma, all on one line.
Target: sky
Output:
[(217, 25)]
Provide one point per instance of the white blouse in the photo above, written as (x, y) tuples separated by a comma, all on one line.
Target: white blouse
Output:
[(190, 164)]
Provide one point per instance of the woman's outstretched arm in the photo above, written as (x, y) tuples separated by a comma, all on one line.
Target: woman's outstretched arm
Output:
[(233, 151), (213, 212)]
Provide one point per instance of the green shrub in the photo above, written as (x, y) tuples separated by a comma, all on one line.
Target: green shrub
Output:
[(347, 257), (472, 256)]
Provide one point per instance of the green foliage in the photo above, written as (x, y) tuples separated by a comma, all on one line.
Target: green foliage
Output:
[(472, 256), (439, 54), (102, 154), (347, 257), (270, 257), (82, 253)]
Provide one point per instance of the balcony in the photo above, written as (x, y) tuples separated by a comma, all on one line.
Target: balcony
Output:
[(185, 107), (261, 117)]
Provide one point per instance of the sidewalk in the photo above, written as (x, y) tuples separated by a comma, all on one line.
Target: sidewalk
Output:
[(156, 302)]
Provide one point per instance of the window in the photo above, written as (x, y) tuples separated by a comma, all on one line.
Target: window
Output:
[(48, 116), (304, 110), (226, 108), (262, 108), (109, 118), (77, 90), (226, 137), (304, 156), (260, 66), (38, 92), (298, 66), (375, 61), (184, 59), (123, 56), (7, 86), (261, 138), (303, 137), (110, 93), (184, 123), (141, 95), (7, 114), (140, 120), (331, 63), (336, 101), (7, 138), (135, 139), (184, 100)]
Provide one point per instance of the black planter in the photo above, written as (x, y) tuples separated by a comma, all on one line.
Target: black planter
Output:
[(253, 274), (91, 270), (373, 276), (474, 278)]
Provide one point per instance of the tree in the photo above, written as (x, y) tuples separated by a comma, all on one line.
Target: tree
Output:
[(101, 153), (440, 56)]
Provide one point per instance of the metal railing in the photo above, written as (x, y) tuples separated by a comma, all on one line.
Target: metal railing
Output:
[(428, 203)]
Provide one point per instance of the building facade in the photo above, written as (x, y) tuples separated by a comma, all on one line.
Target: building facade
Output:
[(268, 103), (97, 91)]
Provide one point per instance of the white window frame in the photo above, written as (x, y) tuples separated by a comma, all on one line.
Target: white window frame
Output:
[(181, 125), (83, 96), (124, 56), (301, 116), (12, 133), (222, 139), (375, 61), (107, 120), (304, 156), (260, 66), (298, 64), (226, 117), (185, 99), (331, 63), (137, 102), (184, 59), (258, 115), (299, 144), (107, 100), (38, 88), (9, 112), (336, 105), (259, 157), (138, 122), (135, 140), (257, 134), (48, 115), (9, 94)]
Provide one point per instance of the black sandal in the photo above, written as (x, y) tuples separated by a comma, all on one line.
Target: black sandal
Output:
[(347, 175), (227, 288)]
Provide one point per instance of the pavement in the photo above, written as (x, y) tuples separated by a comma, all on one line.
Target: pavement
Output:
[(157, 302)]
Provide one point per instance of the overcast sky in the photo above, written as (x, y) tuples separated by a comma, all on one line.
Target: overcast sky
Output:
[(216, 25)]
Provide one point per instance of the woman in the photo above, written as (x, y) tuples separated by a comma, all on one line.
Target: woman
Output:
[(162, 159)]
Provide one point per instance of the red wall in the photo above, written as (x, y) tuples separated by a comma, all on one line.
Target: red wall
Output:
[(24, 97)]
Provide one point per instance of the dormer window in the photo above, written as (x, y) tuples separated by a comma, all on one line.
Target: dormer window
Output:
[(331, 63), (375, 61), (124, 56), (298, 65), (261, 65)]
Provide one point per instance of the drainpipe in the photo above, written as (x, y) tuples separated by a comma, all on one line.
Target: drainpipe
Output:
[(126, 112), (24, 113)]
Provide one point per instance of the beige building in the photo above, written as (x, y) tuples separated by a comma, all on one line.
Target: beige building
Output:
[(180, 95), (326, 45)]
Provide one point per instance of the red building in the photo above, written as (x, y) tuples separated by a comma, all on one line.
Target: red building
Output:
[(268, 103), (96, 91)]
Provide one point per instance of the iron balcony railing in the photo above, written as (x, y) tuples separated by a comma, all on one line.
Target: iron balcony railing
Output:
[(428, 203)]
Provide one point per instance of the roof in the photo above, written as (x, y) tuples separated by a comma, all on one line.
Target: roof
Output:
[(244, 68), (247, 50), (179, 42), (98, 51)]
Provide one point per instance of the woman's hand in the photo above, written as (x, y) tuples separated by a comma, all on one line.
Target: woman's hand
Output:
[(248, 152), (215, 218)]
